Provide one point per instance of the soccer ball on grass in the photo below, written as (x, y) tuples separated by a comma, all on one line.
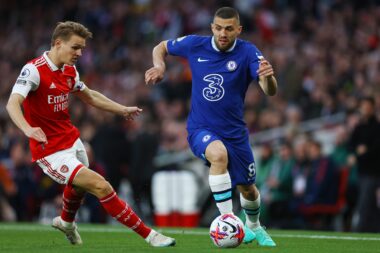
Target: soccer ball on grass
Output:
[(227, 231)]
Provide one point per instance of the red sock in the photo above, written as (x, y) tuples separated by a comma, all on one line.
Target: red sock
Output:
[(71, 203), (124, 214)]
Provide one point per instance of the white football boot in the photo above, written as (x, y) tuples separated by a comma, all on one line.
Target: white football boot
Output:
[(71, 233), (156, 239)]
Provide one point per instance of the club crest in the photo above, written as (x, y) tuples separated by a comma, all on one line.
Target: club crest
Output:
[(206, 138), (231, 65), (64, 169)]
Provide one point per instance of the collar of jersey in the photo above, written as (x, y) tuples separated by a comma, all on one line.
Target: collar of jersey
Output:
[(51, 65), (216, 48)]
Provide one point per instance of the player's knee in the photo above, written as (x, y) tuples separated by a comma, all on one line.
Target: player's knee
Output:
[(217, 155)]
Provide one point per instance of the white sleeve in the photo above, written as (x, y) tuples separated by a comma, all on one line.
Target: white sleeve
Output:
[(79, 85), (29, 79)]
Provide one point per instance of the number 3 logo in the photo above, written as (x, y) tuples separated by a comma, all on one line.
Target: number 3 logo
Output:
[(214, 91)]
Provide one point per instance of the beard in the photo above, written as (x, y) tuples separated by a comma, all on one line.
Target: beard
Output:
[(224, 47)]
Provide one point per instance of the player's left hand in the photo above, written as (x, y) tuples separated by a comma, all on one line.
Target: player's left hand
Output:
[(130, 113), (265, 69)]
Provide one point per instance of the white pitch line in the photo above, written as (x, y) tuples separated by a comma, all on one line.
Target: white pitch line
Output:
[(7, 227), (352, 238), (331, 237)]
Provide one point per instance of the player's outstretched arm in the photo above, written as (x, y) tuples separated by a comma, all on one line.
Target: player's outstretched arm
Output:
[(100, 101), (267, 80), (15, 112), (156, 73)]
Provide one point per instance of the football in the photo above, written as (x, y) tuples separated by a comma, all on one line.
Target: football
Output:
[(227, 231)]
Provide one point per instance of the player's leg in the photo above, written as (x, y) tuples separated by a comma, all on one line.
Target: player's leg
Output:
[(243, 175), (250, 202), (73, 197), (219, 178), (209, 147), (95, 184), (61, 166)]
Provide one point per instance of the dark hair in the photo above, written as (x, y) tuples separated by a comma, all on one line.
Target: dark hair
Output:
[(227, 12), (315, 143), (65, 30), (368, 99), (286, 143)]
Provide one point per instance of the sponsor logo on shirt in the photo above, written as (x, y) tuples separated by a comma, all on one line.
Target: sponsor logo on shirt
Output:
[(60, 102), (20, 81), (52, 86), (214, 90)]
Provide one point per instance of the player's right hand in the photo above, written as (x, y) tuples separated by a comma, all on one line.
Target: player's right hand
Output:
[(154, 75), (131, 112), (37, 134), (265, 69)]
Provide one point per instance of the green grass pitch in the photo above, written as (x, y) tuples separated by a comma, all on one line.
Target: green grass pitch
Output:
[(30, 237)]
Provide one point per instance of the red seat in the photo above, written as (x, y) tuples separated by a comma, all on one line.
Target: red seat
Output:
[(331, 209)]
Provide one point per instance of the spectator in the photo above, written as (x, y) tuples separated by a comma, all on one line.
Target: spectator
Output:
[(144, 142), (19, 166), (322, 184), (265, 164), (112, 148), (95, 212), (365, 148), (7, 189), (340, 156), (322, 177), (280, 183)]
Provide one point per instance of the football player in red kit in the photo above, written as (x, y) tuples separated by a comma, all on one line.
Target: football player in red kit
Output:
[(43, 89)]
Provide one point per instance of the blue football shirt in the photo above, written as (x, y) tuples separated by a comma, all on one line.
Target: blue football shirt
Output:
[(219, 82)]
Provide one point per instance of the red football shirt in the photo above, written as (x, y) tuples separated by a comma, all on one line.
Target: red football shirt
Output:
[(46, 89)]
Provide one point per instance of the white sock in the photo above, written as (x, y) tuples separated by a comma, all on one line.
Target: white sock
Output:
[(252, 211), (221, 189), (67, 224)]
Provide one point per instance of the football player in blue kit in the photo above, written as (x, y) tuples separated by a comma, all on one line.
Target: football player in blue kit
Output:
[(222, 68)]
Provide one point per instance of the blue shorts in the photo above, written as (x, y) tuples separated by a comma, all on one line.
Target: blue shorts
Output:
[(241, 164)]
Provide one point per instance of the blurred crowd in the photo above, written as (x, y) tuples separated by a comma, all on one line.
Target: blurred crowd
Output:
[(326, 57)]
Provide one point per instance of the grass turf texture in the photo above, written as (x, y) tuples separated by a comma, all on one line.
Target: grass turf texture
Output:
[(30, 237)]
